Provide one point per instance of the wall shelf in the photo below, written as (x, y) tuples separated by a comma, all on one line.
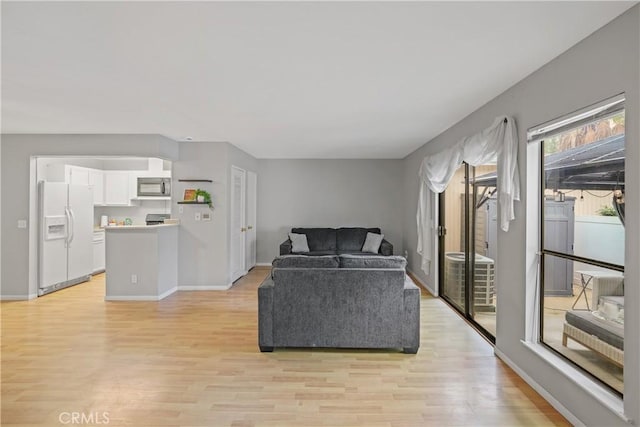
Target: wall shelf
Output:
[(196, 180), (193, 202)]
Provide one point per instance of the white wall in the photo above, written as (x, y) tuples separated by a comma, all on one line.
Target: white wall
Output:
[(19, 198), (327, 193), (605, 64)]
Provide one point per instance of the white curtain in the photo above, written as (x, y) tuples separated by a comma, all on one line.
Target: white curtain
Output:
[(498, 143)]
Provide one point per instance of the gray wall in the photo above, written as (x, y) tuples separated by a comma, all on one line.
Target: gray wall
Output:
[(327, 193), (151, 254), (203, 257), (605, 64), (17, 161)]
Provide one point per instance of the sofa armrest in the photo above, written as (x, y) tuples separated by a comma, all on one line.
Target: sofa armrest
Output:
[(285, 247), (411, 324), (265, 315), (386, 248)]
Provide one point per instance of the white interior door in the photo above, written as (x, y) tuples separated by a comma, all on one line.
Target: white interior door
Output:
[(80, 246), (238, 228), (250, 238)]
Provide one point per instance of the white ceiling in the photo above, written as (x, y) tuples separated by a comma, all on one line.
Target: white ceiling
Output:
[(278, 80)]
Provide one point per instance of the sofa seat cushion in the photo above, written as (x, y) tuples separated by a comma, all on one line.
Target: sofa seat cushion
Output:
[(372, 261), (317, 253), (306, 261), (319, 239), (352, 239), (359, 253)]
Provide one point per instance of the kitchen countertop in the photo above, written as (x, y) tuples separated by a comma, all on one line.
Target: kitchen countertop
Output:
[(139, 227)]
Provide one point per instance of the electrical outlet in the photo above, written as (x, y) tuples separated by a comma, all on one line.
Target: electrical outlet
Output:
[(22, 223), (134, 278), (206, 216), (198, 216)]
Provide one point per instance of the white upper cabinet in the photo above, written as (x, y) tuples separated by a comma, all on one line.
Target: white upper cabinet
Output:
[(110, 187), (78, 175), (96, 180), (116, 188)]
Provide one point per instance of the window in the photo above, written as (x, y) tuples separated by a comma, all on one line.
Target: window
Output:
[(582, 239)]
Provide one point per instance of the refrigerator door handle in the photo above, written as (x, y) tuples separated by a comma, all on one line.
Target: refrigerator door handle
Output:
[(66, 228), (73, 224)]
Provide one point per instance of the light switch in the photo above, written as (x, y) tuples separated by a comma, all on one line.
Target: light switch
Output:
[(206, 216), (180, 209), (22, 223), (197, 216)]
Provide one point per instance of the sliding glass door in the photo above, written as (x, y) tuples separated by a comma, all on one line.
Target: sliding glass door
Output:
[(453, 253), (468, 235)]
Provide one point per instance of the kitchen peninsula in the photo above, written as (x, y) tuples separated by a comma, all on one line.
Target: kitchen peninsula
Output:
[(142, 262)]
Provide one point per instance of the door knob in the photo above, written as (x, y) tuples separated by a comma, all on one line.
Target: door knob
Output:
[(250, 227), (243, 229)]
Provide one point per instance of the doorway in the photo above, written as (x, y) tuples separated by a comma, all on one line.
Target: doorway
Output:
[(243, 221), (238, 229), (72, 199)]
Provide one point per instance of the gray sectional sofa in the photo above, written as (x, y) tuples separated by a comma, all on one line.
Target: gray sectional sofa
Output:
[(336, 241), (344, 301)]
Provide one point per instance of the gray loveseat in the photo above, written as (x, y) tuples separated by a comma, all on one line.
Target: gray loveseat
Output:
[(336, 241), (344, 301)]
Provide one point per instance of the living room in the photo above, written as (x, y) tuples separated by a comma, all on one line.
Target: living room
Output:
[(332, 184)]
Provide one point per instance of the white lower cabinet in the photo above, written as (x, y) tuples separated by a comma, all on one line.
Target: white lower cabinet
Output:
[(99, 251)]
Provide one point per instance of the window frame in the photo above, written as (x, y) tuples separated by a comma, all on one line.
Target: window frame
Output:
[(539, 134)]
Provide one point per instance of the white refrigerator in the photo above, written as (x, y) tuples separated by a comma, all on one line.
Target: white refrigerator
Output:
[(65, 252)]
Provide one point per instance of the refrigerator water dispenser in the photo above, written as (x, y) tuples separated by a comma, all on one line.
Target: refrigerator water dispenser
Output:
[(55, 227)]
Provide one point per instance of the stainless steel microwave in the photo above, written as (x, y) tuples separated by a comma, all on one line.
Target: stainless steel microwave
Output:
[(154, 187)]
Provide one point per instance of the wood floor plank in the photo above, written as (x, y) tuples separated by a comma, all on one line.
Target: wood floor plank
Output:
[(193, 359)]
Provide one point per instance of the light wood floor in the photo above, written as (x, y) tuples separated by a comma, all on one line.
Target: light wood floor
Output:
[(193, 359)]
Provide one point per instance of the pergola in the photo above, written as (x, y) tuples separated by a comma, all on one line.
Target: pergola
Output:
[(595, 166)]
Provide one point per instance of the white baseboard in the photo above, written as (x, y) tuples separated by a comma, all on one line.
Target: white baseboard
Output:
[(263, 264), (167, 293), (415, 278), (18, 297), (541, 391), (205, 287), (140, 297)]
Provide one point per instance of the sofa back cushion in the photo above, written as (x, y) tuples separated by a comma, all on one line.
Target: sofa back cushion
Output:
[(352, 239), (306, 261), (319, 239), (372, 261), (338, 308)]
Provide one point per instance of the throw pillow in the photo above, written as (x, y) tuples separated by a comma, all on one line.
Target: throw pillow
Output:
[(298, 243), (372, 243)]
